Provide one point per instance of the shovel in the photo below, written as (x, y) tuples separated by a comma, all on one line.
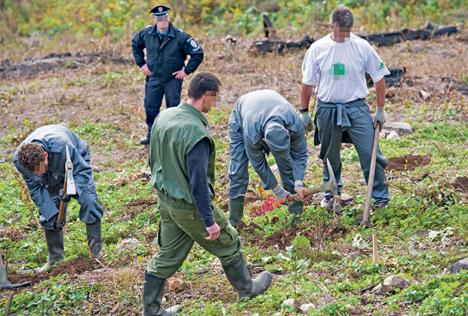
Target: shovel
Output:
[(4, 282), (68, 185), (370, 182)]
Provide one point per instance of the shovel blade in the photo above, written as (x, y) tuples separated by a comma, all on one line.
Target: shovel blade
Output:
[(71, 190), (332, 179)]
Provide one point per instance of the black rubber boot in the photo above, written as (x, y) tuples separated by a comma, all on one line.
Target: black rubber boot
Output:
[(54, 239), (239, 277), (296, 208), (144, 141), (153, 290), (236, 210), (93, 232)]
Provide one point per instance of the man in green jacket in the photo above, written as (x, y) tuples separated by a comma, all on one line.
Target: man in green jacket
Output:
[(182, 161)]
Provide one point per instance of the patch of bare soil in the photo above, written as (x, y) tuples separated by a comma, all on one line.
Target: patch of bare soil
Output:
[(142, 203), (142, 176), (461, 184), (12, 234), (73, 267), (54, 61), (408, 162), (316, 235), (136, 207)]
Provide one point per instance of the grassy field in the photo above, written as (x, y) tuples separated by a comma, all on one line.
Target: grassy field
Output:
[(326, 262)]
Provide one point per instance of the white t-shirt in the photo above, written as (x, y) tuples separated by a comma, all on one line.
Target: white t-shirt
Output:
[(341, 68)]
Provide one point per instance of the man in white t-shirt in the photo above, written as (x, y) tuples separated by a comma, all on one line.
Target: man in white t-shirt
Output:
[(336, 66)]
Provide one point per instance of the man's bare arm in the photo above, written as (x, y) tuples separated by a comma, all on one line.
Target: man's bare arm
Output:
[(306, 94), (380, 91)]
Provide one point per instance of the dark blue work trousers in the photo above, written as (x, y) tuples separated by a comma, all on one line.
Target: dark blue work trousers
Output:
[(155, 90)]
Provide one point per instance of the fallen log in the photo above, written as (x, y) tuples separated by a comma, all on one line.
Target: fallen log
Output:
[(278, 46), (393, 79), (390, 38), (272, 45)]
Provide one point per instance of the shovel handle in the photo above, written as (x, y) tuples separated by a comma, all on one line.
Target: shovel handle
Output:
[(310, 192), (370, 181), (62, 205)]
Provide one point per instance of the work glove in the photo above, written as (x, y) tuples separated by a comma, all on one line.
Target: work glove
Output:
[(306, 121), (281, 193), (299, 188), (64, 197), (380, 117), (56, 225)]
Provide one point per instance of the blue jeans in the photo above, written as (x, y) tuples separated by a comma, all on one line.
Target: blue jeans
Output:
[(355, 119)]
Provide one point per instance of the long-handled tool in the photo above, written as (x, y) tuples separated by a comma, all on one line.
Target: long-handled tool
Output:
[(331, 183), (68, 186), (4, 282), (370, 181)]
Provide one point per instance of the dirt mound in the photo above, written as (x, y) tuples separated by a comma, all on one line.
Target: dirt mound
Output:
[(284, 238), (408, 162), (74, 267), (461, 184), (12, 234)]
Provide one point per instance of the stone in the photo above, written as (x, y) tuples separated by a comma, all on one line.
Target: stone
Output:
[(390, 284), (289, 305), (393, 135), (305, 308), (128, 244), (460, 265), (401, 128), (383, 133), (424, 95)]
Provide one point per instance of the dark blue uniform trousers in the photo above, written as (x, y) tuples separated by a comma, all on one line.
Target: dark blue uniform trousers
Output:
[(155, 90)]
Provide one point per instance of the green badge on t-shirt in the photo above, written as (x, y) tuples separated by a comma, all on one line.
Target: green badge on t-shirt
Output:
[(382, 66), (338, 69)]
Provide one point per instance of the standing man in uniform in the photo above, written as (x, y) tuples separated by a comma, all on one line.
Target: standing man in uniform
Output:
[(261, 122), (41, 161), (336, 65), (167, 48), (182, 162)]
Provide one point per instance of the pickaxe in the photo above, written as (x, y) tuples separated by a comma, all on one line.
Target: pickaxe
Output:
[(331, 183), (68, 186)]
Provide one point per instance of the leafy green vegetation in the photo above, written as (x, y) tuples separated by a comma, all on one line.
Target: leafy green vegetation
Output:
[(118, 19)]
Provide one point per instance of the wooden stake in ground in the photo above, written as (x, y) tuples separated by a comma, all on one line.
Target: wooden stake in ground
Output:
[(370, 182), (375, 255)]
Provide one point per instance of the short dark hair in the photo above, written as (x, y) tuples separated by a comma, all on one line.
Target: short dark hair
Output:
[(30, 156), (201, 83), (342, 17)]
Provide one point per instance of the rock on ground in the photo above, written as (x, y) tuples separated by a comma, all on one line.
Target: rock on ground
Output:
[(390, 284), (460, 265), (401, 128)]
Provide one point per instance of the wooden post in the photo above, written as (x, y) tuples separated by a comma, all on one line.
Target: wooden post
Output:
[(375, 255)]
